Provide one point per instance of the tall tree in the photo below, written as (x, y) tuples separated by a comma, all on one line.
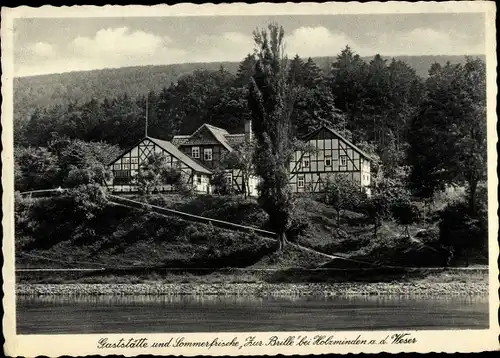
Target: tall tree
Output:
[(313, 76), (448, 141), (469, 163), (347, 80), (271, 102), (314, 108), (245, 71), (229, 110), (296, 71)]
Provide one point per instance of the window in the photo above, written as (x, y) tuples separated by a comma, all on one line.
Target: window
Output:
[(134, 160), (328, 161), (195, 152), (305, 162), (207, 154), (229, 178), (301, 182), (121, 177), (122, 173), (117, 166), (199, 179), (343, 161), (125, 163)]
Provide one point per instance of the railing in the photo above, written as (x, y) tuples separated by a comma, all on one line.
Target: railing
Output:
[(43, 191)]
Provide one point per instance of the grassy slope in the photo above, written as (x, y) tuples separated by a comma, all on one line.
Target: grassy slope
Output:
[(132, 238), (354, 239)]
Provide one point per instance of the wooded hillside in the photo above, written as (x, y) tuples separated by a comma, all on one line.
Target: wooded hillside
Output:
[(63, 88)]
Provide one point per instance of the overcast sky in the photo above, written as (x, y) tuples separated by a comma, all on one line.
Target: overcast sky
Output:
[(47, 45)]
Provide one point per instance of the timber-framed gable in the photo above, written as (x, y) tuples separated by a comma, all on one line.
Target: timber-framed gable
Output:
[(127, 166), (331, 154)]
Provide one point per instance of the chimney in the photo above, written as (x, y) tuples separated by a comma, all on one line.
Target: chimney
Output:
[(248, 129)]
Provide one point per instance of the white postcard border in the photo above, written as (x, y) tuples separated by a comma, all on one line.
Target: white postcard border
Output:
[(426, 341)]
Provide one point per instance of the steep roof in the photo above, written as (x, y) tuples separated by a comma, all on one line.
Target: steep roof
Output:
[(221, 135), (337, 134), (173, 150)]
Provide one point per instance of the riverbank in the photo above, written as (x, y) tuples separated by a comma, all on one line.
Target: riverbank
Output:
[(439, 284)]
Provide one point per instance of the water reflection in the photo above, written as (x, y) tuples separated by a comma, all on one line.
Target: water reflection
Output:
[(238, 299), (207, 313)]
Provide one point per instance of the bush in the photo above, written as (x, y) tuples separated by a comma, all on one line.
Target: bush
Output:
[(220, 184), (405, 212), (461, 231), (300, 223), (342, 194), (86, 201), (93, 174), (21, 210)]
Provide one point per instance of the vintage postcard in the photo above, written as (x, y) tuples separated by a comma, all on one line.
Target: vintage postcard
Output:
[(249, 179)]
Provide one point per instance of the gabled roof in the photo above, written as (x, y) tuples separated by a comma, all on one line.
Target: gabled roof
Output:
[(221, 135), (337, 134), (174, 151)]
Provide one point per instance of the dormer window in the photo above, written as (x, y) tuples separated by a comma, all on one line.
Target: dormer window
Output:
[(195, 152), (207, 154)]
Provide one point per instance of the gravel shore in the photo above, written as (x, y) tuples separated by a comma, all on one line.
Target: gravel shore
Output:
[(259, 289)]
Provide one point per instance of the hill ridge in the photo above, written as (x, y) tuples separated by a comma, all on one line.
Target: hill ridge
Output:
[(47, 90)]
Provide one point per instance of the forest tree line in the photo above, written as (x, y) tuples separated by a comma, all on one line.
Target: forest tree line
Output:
[(382, 106)]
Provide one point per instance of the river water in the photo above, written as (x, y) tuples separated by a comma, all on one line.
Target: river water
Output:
[(150, 314)]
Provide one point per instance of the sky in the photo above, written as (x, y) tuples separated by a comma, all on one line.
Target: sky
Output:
[(55, 45)]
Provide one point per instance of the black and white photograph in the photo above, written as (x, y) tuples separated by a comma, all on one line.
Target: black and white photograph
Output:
[(249, 179)]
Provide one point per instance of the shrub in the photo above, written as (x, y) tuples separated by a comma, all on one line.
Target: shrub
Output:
[(86, 201), (93, 174), (36, 168), (342, 194), (461, 232), (405, 212), (220, 183)]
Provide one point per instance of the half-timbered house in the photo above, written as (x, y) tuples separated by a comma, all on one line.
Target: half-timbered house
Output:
[(127, 165), (330, 155), (208, 145)]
